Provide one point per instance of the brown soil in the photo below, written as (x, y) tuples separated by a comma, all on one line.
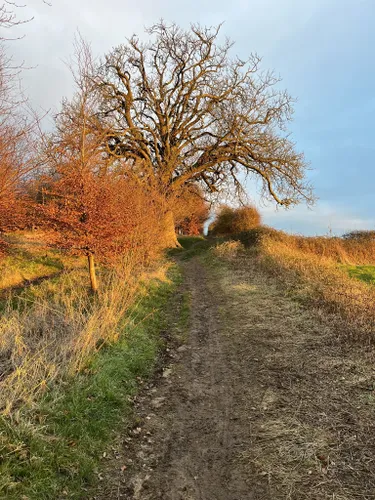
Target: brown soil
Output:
[(262, 402)]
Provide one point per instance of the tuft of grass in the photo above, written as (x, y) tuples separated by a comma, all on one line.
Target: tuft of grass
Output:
[(52, 450)]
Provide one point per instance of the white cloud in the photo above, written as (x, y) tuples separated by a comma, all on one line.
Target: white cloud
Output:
[(258, 26)]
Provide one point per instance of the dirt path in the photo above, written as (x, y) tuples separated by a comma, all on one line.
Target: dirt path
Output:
[(262, 402)]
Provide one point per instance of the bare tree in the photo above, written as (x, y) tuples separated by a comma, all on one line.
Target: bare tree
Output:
[(18, 127), (9, 17), (188, 112)]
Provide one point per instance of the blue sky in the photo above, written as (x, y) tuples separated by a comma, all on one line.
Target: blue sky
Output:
[(323, 50)]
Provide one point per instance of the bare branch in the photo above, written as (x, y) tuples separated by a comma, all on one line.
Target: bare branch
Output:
[(192, 113)]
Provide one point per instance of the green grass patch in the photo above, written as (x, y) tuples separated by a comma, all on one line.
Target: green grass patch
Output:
[(189, 241), (191, 246), (53, 451), (363, 273)]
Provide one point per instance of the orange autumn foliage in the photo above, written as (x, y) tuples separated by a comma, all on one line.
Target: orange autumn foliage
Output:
[(190, 211), (102, 216), (87, 198)]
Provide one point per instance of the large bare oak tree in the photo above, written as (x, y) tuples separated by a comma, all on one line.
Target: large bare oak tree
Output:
[(185, 111)]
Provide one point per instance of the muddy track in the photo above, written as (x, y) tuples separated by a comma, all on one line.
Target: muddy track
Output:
[(241, 411), (198, 425)]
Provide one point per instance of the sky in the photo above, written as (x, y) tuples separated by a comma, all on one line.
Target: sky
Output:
[(322, 49)]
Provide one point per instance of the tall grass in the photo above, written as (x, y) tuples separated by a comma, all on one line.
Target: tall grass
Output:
[(311, 268), (340, 250), (51, 330), (70, 360)]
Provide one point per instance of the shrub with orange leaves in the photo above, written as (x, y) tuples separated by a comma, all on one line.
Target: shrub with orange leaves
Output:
[(190, 211), (87, 198), (101, 217)]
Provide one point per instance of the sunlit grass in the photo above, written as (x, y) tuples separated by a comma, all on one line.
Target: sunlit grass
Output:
[(331, 274), (30, 258), (363, 273)]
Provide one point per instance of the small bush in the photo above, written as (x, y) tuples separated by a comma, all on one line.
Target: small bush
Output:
[(232, 221), (363, 235)]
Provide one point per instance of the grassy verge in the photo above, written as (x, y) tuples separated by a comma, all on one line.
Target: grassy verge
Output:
[(52, 450), (314, 271)]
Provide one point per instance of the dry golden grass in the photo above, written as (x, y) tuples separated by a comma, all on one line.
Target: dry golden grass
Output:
[(55, 327), (343, 251), (309, 394), (309, 268), (340, 250)]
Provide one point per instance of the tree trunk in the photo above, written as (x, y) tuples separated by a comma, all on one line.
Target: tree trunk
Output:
[(93, 281), (170, 237)]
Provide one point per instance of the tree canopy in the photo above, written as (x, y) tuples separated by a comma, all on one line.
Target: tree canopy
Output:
[(185, 111)]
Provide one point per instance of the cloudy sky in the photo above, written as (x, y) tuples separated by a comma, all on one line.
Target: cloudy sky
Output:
[(323, 50)]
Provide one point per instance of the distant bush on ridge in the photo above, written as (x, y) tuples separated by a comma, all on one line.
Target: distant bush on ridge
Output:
[(360, 235), (231, 221)]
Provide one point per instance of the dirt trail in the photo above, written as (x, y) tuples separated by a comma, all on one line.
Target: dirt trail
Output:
[(261, 402)]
